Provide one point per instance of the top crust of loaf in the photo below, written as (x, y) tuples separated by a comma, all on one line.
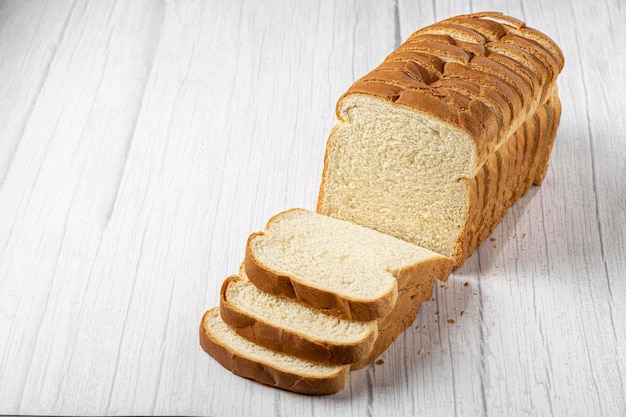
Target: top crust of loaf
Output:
[(336, 266), (470, 71)]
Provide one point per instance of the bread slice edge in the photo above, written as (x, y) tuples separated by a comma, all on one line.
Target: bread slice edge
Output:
[(290, 339), (265, 371)]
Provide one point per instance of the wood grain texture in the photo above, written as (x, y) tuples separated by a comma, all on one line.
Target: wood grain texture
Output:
[(141, 142)]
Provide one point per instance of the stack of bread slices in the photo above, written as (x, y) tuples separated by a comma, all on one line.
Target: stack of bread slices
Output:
[(316, 297), (431, 149)]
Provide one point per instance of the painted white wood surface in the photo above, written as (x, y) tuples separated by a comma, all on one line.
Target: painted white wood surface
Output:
[(142, 141)]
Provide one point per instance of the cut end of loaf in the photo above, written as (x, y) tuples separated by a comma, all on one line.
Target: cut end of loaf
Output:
[(388, 167)]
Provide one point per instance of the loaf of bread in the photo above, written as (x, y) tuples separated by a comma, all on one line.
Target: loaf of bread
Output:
[(335, 266), (431, 149), (436, 143)]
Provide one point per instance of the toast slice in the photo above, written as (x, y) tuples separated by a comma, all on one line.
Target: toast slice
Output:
[(335, 266), (286, 326), (279, 370)]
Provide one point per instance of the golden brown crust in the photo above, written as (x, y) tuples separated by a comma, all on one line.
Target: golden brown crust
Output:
[(443, 47), (553, 114), (509, 173), (528, 61), (507, 22), (268, 374), (533, 48), (293, 343), (489, 29), (498, 53)]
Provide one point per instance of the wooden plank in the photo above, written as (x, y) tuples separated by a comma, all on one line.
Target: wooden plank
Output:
[(57, 199)]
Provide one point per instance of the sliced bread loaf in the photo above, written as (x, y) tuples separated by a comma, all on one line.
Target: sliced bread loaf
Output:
[(286, 326), (279, 370), (432, 147), (332, 265), (437, 142)]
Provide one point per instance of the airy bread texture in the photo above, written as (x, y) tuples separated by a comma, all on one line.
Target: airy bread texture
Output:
[(438, 141), (286, 326), (335, 266), (279, 370)]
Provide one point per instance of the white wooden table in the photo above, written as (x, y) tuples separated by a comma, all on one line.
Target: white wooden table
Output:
[(142, 141)]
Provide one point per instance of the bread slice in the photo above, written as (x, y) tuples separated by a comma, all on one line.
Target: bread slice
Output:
[(436, 143), (286, 326), (332, 265), (283, 325), (279, 370)]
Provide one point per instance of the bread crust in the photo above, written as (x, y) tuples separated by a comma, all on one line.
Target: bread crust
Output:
[(465, 44), (292, 342), (509, 173), (269, 374)]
